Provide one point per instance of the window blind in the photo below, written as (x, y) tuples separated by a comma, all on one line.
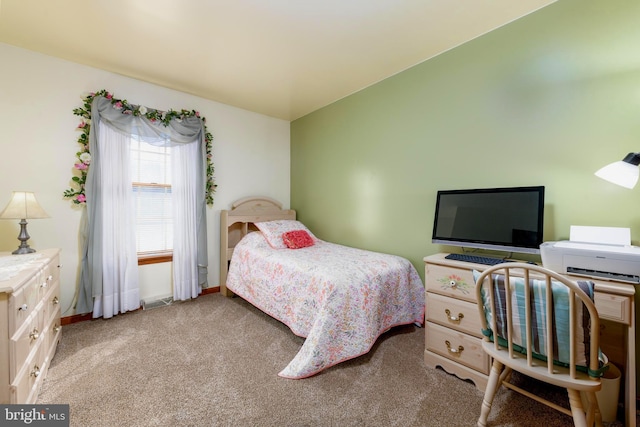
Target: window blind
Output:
[(151, 175)]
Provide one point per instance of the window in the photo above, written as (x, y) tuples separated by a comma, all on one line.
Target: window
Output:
[(151, 176)]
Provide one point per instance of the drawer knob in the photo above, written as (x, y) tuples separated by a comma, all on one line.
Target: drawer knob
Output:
[(56, 328), (456, 351), (453, 318), (23, 307), (34, 334), (44, 285), (55, 301), (36, 371), (49, 278)]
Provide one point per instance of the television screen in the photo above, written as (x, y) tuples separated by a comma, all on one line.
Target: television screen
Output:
[(502, 219)]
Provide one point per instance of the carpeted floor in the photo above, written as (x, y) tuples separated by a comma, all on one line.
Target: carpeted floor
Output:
[(213, 361)]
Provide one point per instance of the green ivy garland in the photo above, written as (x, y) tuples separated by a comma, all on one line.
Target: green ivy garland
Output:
[(84, 156)]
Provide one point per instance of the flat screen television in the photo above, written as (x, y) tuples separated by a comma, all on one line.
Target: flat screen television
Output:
[(500, 219)]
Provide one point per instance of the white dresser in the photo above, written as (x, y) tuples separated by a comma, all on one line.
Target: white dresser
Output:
[(29, 322)]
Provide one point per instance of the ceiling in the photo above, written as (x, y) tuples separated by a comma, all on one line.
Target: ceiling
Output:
[(281, 58)]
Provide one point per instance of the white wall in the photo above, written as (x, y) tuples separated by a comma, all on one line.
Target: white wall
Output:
[(38, 144)]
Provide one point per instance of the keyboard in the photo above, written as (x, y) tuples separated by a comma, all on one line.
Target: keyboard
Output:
[(476, 259)]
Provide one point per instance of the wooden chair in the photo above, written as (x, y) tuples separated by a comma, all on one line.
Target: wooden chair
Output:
[(531, 316)]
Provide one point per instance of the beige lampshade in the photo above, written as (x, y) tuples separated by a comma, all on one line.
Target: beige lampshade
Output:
[(23, 205)]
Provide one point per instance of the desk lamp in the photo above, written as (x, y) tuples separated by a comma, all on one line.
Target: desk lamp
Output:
[(23, 206), (623, 172)]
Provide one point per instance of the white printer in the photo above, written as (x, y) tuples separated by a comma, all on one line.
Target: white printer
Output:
[(595, 260)]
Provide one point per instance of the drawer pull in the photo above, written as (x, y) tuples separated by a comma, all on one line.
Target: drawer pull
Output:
[(49, 278), (457, 351), (34, 334), (56, 328), (36, 371), (454, 318), (44, 284), (23, 307), (55, 301)]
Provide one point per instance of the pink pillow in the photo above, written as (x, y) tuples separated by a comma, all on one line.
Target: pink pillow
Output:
[(297, 239)]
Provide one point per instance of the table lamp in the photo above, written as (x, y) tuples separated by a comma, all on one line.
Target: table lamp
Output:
[(623, 172), (23, 206)]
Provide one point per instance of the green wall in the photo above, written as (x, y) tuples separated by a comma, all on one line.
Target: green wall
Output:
[(545, 100)]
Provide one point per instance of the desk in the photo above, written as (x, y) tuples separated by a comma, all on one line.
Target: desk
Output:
[(452, 322)]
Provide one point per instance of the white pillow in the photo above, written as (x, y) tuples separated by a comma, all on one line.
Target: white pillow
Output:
[(273, 231)]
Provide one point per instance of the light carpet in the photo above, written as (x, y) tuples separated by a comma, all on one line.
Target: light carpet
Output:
[(214, 361)]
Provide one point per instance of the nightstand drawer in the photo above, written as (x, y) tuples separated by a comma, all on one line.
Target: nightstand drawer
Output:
[(455, 314), (453, 282), (457, 346)]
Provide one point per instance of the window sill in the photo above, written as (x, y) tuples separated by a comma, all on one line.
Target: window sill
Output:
[(156, 258)]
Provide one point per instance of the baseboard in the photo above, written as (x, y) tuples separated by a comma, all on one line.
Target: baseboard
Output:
[(211, 290), (67, 320)]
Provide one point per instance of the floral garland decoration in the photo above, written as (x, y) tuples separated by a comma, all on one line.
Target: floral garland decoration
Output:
[(84, 156)]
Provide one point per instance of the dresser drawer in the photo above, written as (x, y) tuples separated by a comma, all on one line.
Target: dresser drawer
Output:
[(50, 275), (52, 332), (52, 302), (453, 282), (23, 302), (24, 341), (455, 314), (23, 388), (457, 346), (46, 281)]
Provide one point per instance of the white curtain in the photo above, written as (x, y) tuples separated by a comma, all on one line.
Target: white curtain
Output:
[(184, 194), (108, 272), (119, 258)]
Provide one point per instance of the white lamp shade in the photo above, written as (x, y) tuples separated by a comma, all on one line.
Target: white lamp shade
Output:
[(23, 205), (620, 173)]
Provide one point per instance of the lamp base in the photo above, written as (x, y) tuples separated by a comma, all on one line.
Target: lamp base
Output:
[(23, 237), (23, 250)]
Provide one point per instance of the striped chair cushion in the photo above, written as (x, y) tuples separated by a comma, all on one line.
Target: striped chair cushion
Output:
[(560, 328)]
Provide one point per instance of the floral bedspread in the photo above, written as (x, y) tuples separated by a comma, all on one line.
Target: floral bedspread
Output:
[(339, 298)]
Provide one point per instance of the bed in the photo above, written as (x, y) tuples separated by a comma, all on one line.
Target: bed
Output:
[(340, 299)]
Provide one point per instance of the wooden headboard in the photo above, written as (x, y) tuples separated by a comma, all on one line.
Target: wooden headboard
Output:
[(238, 221)]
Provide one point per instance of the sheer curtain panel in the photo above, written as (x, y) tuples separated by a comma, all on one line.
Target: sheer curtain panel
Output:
[(119, 257), (184, 192)]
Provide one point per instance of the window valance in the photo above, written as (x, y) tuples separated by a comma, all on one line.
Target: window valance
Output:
[(150, 125)]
